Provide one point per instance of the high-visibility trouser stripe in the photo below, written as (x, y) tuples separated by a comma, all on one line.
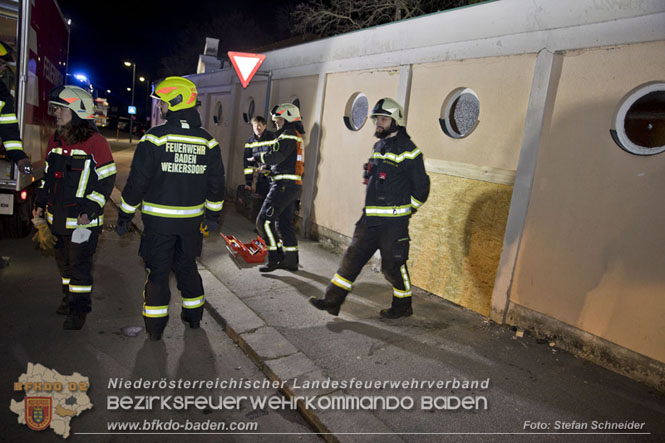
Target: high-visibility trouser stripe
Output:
[(49, 217), (126, 207), (192, 303), (290, 248), (11, 145), (106, 171), (405, 278), (341, 282), (6, 119), (97, 198), (214, 206), (72, 223), (388, 211), (286, 177), (80, 289), (155, 311), (416, 203), (83, 181), (248, 171), (66, 280), (401, 294), (272, 246), (172, 211)]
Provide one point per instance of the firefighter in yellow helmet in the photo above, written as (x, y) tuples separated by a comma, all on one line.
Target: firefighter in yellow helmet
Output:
[(397, 185), (78, 180), (177, 177), (285, 160)]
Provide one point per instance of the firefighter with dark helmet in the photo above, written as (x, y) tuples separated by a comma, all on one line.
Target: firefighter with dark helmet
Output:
[(397, 185), (78, 180), (285, 160), (177, 178), (9, 130)]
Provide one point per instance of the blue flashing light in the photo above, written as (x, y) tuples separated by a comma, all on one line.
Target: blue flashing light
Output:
[(81, 77)]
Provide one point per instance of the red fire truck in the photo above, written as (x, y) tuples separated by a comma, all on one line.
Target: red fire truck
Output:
[(39, 35)]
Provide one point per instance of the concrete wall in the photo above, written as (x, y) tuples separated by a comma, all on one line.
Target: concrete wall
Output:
[(592, 248), (340, 194), (538, 190)]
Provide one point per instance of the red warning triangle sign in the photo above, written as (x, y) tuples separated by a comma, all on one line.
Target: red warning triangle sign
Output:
[(246, 65)]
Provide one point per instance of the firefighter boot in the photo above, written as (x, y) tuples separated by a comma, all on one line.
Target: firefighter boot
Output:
[(274, 259), (332, 301), (399, 308), (193, 324), (290, 261), (63, 309), (74, 321)]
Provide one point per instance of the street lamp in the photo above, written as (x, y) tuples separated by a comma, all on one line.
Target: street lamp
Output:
[(131, 119)]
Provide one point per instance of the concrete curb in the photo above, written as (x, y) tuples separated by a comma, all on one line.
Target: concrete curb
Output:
[(281, 361)]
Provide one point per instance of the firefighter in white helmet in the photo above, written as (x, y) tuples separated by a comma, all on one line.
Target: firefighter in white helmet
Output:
[(285, 159), (79, 178), (177, 177), (397, 185)]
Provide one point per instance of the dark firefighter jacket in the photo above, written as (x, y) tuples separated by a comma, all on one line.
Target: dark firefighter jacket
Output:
[(285, 154), (397, 183), (255, 145), (176, 172), (78, 179), (9, 132)]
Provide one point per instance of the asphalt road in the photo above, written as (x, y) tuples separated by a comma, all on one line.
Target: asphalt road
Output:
[(31, 331)]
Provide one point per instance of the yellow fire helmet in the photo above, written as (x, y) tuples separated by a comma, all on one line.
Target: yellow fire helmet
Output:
[(389, 108), (178, 92), (5, 52), (77, 99), (287, 111)]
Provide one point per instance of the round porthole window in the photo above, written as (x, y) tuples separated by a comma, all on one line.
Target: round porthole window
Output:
[(249, 113), (217, 116), (459, 113), (639, 122), (355, 114)]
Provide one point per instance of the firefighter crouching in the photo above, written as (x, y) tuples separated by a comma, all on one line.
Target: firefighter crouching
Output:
[(397, 185), (78, 180), (285, 159), (177, 176)]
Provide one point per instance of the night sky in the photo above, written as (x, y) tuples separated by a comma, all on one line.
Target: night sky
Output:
[(104, 34)]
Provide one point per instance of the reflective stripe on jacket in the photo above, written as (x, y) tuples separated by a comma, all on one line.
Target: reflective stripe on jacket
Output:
[(176, 175)]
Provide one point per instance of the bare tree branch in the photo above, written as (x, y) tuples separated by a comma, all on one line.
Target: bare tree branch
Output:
[(331, 17)]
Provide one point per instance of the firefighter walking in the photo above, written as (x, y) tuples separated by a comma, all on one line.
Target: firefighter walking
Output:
[(285, 159), (177, 176), (79, 177), (397, 185)]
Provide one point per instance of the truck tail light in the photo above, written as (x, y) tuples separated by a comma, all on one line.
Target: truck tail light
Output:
[(24, 195)]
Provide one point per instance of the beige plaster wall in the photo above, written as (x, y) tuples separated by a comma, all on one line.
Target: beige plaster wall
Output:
[(339, 194), (592, 253), (502, 85), (458, 234), (282, 91)]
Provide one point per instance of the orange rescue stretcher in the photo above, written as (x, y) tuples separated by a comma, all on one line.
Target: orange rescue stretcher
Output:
[(252, 252)]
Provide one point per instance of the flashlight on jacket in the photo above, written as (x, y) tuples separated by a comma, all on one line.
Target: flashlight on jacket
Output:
[(367, 168)]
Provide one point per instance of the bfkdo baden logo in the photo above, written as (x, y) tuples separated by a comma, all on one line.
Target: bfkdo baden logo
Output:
[(38, 412), (51, 399)]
